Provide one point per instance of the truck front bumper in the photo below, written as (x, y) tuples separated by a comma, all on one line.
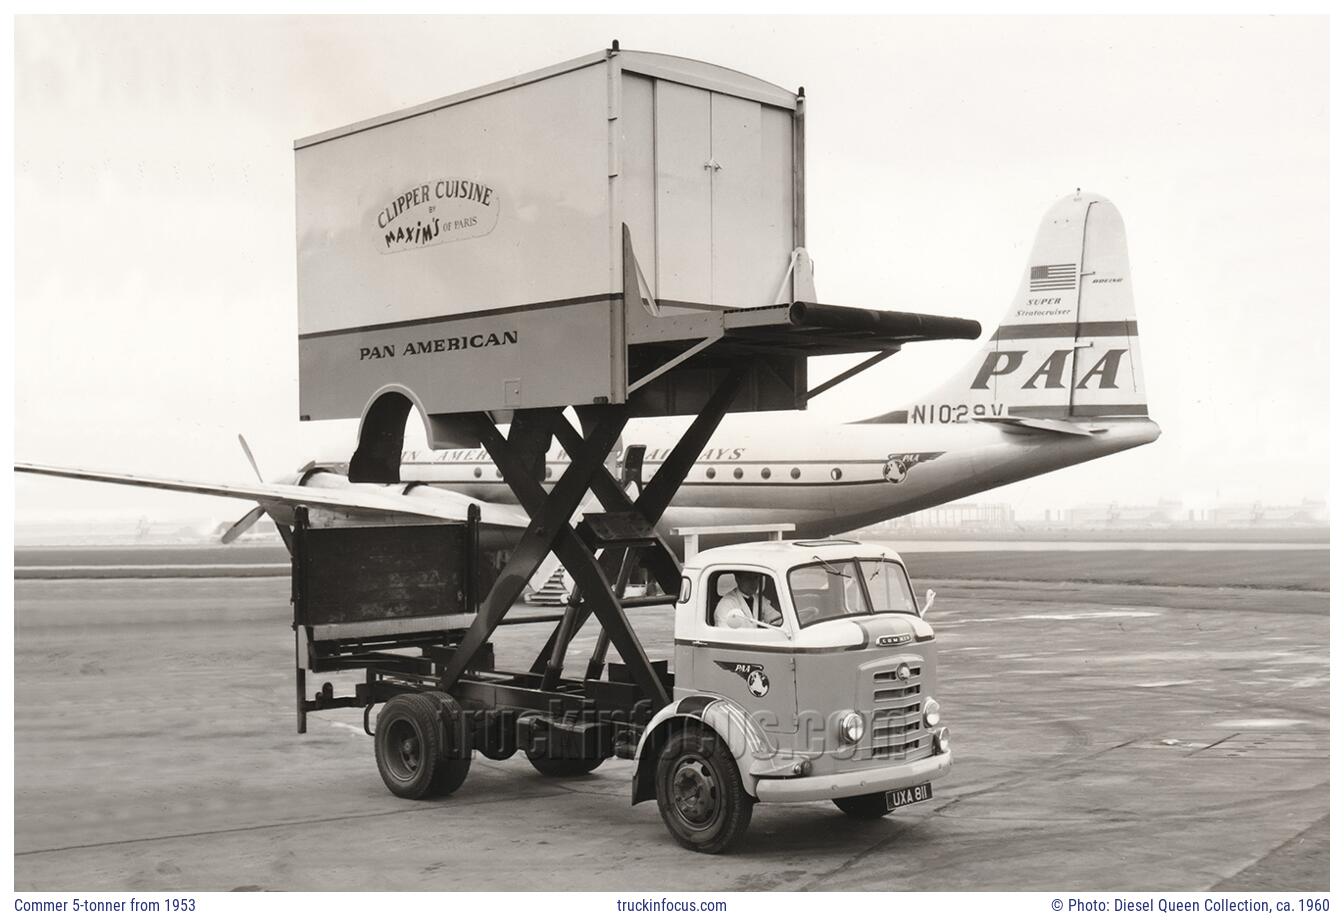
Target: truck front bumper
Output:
[(857, 782)]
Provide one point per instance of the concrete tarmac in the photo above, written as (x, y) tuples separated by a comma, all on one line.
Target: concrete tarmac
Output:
[(1106, 738)]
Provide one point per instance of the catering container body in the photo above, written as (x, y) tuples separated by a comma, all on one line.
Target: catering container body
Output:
[(470, 251)]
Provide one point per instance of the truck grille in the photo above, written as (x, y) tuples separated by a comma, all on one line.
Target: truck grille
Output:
[(898, 720)]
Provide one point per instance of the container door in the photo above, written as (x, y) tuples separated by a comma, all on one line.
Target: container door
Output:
[(752, 202), (681, 142), (724, 192)]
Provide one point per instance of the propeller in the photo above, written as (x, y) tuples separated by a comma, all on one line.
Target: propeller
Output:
[(244, 523), (247, 451)]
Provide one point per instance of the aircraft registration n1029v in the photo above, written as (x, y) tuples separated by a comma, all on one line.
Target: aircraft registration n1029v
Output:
[(1058, 383)]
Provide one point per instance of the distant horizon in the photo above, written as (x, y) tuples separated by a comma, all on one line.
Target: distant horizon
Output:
[(109, 517)]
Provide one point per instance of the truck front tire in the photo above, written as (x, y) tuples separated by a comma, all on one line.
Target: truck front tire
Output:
[(867, 807), (700, 794)]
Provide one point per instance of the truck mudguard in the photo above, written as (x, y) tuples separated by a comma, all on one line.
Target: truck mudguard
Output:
[(750, 746)]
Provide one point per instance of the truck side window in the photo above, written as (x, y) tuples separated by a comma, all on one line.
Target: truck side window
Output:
[(743, 600)]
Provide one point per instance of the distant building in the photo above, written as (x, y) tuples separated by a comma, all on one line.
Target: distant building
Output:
[(959, 515), (1114, 514), (1256, 513)]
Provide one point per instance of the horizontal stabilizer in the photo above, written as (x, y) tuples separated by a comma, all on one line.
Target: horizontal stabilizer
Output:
[(1053, 425)]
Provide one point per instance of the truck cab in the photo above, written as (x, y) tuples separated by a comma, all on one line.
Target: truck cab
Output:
[(804, 671)]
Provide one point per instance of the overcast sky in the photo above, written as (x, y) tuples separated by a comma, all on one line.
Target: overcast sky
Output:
[(154, 225)]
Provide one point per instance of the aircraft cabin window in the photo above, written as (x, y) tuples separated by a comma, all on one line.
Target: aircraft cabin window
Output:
[(765, 472), (709, 473), (476, 472), (737, 473), (795, 473), (548, 473), (835, 472), (497, 473)]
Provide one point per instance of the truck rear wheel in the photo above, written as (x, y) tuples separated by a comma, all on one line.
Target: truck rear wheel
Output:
[(872, 805), (455, 759), (700, 794), (408, 744)]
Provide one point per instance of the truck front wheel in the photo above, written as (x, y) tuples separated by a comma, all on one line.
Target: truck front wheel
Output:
[(873, 805), (700, 794)]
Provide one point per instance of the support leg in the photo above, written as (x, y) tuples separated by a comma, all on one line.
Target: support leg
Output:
[(599, 656), (301, 699), (662, 563), (550, 676), (607, 607), (550, 515), (592, 580)]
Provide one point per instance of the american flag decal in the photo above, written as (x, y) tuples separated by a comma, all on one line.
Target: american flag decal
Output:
[(1054, 277)]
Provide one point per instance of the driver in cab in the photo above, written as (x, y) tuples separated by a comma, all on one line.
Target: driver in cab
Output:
[(743, 605)]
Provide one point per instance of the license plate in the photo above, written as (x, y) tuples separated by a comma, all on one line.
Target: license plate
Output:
[(898, 797)]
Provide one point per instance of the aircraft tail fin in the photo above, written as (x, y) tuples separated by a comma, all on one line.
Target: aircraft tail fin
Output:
[(1068, 347)]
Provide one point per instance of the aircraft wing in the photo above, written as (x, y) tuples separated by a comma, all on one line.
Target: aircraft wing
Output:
[(427, 503)]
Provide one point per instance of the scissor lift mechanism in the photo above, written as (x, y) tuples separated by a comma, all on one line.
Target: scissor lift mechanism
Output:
[(590, 718)]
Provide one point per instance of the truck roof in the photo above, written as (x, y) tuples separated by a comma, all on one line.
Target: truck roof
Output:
[(784, 554)]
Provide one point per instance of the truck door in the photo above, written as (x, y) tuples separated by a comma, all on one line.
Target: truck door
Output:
[(747, 663)]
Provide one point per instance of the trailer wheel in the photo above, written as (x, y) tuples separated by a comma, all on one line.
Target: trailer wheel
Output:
[(563, 766), (407, 745), (700, 794), (872, 805), (455, 759)]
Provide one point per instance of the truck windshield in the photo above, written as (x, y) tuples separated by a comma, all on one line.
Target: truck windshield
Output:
[(888, 586), (833, 590)]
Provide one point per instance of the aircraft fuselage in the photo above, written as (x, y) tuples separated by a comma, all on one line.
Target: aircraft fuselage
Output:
[(823, 479)]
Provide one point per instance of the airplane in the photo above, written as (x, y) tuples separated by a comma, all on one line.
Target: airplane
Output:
[(1058, 383)]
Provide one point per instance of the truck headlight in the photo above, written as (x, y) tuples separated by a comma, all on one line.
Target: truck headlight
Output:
[(851, 728), (942, 741), (932, 712)]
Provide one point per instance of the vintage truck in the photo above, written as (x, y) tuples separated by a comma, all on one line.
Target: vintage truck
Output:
[(833, 700), (803, 671)]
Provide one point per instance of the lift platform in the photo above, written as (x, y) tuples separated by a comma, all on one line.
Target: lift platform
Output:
[(385, 599)]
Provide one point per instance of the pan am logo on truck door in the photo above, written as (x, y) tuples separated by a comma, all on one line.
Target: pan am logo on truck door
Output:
[(754, 674), (434, 212)]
